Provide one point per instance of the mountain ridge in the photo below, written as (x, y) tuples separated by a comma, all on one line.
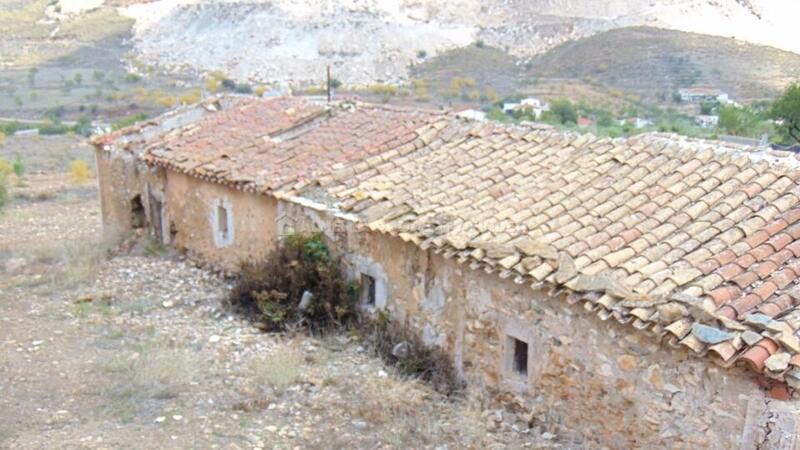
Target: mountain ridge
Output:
[(283, 41)]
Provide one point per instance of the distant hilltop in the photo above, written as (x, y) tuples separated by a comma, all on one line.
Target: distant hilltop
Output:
[(288, 41)]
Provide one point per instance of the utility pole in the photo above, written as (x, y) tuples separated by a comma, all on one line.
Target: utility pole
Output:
[(329, 84)]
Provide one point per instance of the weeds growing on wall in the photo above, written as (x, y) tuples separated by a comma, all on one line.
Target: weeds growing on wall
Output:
[(300, 283)]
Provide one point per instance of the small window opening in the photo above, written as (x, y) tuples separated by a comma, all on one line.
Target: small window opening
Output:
[(222, 221), (173, 231), (367, 290), (519, 363), (137, 212)]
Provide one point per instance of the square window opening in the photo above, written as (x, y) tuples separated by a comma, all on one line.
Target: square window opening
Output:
[(367, 290), (519, 357)]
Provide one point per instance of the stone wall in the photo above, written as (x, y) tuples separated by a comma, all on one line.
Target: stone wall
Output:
[(616, 386), (194, 208), (184, 211), (123, 181)]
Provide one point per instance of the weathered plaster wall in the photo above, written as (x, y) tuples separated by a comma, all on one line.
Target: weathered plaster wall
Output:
[(616, 386), (191, 210), (122, 177)]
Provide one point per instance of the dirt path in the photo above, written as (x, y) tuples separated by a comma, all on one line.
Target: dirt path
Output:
[(135, 352)]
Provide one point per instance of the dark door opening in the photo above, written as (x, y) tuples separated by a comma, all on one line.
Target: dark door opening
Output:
[(137, 212)]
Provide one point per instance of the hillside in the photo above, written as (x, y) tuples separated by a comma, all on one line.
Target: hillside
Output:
[(655, 63), (291, 41)]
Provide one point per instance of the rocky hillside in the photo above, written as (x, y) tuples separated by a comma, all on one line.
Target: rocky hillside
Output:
[(292, 40), (654, 63)]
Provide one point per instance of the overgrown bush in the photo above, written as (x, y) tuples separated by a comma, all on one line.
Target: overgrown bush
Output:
[(404, 349), (276, 290)]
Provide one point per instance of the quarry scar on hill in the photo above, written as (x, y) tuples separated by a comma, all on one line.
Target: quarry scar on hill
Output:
[(641, 290)]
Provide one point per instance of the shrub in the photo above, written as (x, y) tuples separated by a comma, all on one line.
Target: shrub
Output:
[(383, 89), (271, 290), (133, 78), (84, 126), (163, 99), (191, 97), (228, 83), (421, 54), (128, 121), (54, 129), (80, 171), (259, 91), (561, 111), (242, 88), (32, 76), (278, 370), (212, 85), (19, 167), (55, 114), (404, 349), (6, 168)]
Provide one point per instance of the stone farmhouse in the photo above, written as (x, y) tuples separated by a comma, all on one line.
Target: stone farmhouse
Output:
[(642, 290)]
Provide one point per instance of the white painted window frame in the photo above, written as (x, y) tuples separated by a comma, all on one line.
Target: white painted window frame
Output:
[(222, 239)]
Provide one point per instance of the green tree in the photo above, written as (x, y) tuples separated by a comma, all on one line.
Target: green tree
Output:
[(708, 108), (561, 111), (84, 126), (738, 121), (787, 110)]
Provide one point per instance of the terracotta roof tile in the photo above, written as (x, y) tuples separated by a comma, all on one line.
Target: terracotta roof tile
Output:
[(746, 279), (645, 213), (643, 220), (282, 143)]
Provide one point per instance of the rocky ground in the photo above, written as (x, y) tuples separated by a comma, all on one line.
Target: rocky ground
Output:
[(103, 346)]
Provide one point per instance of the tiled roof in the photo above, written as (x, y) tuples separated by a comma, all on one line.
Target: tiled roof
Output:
[(136, 135), (262, 145), (695, 241)]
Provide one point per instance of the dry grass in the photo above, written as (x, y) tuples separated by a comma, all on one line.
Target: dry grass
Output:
[(399, 411), (152, 374), (278, 370), (66, 264)]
